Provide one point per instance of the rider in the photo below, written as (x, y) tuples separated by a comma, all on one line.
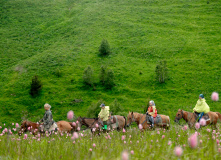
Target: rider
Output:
[(103, 115), (201, 107), (47, 118), (152, 112)]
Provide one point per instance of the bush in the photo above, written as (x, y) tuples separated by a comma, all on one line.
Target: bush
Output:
[(109, 79), (115, 107), (36, 86), (94, 109), (102, 75), (161, 71), (88, 76), (104, 48)]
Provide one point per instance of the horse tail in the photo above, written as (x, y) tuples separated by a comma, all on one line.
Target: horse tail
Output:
[(219, 115)]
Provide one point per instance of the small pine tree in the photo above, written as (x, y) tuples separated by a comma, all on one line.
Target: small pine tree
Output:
[(36, 86), (161, 71), (109, 79), (88, 76), (102, 74), (104, 48)]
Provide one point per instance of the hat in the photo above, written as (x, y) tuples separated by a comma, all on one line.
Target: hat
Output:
[(201, 95), (102, 105)]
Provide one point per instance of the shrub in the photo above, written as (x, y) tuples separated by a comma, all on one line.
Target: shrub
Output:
[(104, 48), (115, 107), (94, 109), (36, 86), (109, 79), (102, 74), (161, 71), (88, 76)]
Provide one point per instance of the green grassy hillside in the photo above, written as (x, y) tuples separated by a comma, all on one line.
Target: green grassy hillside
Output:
[(43, 37)]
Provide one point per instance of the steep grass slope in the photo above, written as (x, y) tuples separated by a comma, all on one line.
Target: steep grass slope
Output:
[(43, 37)]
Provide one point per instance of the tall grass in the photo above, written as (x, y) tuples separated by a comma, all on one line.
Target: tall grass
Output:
[(138, 144), (43, 37)]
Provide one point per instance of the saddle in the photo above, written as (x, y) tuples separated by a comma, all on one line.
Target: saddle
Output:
[(157, 119), (205, 116), (113, 121)]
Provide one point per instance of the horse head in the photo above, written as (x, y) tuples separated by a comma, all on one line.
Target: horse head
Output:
[(130, 118), (179, 115), (23, 128)]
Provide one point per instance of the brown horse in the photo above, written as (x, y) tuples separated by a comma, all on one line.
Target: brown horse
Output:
[(191, 118), (133, 117), (63, 126), (219, 115), (114, 122), (142, 119)]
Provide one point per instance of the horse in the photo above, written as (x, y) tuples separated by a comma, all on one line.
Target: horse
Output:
[(114, 122), (219, 115), (133, 117), (191, 118), (63, 126), (162, 121)]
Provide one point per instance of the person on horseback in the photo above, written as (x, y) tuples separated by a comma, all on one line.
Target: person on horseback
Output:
[(201, 107), (151, 113), (104, 114), (47, 118)]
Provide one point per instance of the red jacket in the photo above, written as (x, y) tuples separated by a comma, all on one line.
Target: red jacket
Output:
[(150, 111)]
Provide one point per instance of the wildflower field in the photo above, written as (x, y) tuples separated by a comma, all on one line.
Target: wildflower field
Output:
[(179, 142)]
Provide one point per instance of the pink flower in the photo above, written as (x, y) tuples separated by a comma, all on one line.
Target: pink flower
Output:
[(94, 145), (75, 135), (208, 130), (123, 138), (124, 130), (140, 126), (74, 124), (185, 127), (178, 151), (217, 141), (158, 132), (197, 125), (163, 136), (70, 115), (193, 141), (25, 136), (125, 155), (125, 142), (131, 152), (215, 96), (96, 125), (202, 122), (13, 124), (90, 149), (201, 141), (169, 143), (78, 129)]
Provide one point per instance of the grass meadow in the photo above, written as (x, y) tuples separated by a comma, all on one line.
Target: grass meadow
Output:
[(51, 37), (127, 144)]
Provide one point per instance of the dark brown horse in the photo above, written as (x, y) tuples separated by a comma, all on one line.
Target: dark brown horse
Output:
[(114, 122), (63, 126), (191, 118), (141, 119)]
